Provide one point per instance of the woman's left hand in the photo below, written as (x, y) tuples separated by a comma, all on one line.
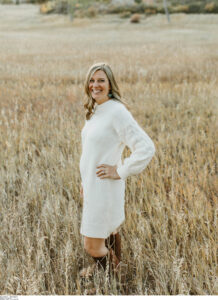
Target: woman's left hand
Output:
[(106, 171)]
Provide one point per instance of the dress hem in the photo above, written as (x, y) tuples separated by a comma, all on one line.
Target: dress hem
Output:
[(100, 235)]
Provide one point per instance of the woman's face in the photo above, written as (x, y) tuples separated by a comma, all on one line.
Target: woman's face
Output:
[(99, 86)]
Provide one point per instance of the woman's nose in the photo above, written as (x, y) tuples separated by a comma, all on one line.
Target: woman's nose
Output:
[(95, 84)]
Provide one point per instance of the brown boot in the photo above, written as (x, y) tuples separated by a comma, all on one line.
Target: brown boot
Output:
[(114, 242), (117, 267), (114, 261), (101, 261)]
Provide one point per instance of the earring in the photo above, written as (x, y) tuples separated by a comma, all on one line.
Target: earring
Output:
[(110, 95)]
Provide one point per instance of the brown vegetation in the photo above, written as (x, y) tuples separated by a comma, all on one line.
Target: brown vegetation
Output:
[(169, 76), (135, 18), (47, 7), (80, 7)]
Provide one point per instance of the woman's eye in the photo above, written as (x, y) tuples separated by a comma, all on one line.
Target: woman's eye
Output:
[(100, 80)]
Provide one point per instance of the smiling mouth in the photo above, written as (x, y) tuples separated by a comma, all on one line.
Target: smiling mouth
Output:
[(96, 92)]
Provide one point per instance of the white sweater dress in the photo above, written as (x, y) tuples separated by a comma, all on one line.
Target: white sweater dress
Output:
[(104, 138)]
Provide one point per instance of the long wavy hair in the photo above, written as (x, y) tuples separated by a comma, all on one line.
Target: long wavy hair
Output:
[(114, 89)]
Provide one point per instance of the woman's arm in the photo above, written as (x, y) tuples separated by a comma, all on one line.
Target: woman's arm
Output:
[(140, 144)]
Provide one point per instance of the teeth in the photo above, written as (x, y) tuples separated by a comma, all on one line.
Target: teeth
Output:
[(96, 92)]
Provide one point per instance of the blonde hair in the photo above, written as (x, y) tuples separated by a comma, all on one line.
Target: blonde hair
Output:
[(114, 89)]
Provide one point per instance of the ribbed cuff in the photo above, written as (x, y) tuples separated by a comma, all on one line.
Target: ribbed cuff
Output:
[(122, 172)]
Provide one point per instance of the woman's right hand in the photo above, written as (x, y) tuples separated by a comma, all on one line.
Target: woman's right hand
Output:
[(81, 191)]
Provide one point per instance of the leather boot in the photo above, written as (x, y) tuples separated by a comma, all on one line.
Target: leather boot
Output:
[(113, 261), (115, 265), (101, 261), (114, 242)]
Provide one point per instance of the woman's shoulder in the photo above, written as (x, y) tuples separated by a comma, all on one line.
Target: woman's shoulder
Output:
[(120, 110), (118, 107)]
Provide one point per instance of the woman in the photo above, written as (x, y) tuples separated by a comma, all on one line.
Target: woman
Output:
[(109, 127)]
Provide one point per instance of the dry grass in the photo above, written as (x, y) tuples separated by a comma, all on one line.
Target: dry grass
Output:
[(168, 74)]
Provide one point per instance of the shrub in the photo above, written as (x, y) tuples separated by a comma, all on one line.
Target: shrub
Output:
[(35, 1), (61, 7), (160, 9), (211, 8), (136, 8), (79, 11), (78, 14), (83, 8), (118, 9), (191, 8), (115, 9), (150, 10), (135, 18), (125, 14), (91, 8), (140, 8), (47, 8), (6, 2), (180, 9), (91, 12), (195, 8)]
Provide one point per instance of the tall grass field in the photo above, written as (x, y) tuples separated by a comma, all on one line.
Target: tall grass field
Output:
[(168, 74)]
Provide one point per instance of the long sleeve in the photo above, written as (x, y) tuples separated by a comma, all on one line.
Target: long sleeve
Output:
[(140, 144)]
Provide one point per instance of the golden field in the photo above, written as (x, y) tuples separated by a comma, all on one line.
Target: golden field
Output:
[(168, 75)]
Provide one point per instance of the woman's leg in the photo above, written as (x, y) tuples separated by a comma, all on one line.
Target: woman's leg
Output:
[(95, 246), (114, 242)]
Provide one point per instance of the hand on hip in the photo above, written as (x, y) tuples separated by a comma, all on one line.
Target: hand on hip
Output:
[(107, 171)]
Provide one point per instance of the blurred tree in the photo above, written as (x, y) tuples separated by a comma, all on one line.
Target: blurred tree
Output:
[(166, 10)]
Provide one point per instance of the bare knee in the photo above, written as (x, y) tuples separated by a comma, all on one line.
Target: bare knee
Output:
[(90, 246), (90, 250), (95, 247), (87, 245)]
